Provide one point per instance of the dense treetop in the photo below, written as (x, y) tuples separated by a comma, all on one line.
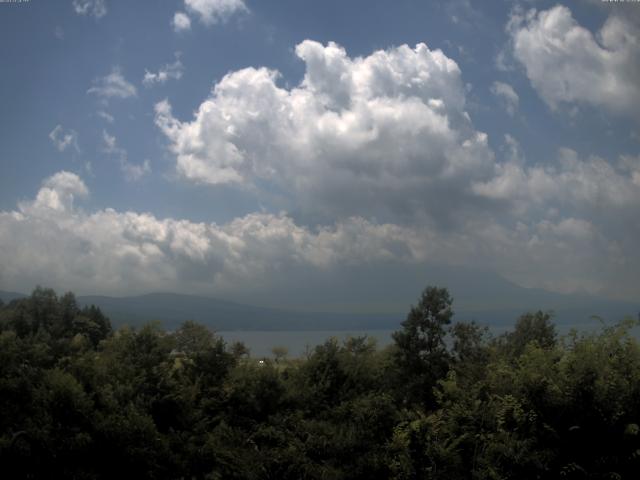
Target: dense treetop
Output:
[(444, 401)]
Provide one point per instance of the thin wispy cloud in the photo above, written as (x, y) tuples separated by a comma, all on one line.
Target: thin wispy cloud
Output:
[(170, 71), (63, 140), (506, 95), (94, 8), (113, 85), (132, 171), (110, 144), (107, 117)]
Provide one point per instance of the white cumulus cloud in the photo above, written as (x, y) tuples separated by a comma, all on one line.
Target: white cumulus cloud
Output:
[(567, 64), (368, 161), (589, 187), (181, 22), (211, 12), (57, 193), (387, 138), (112, 251), (386, 132)]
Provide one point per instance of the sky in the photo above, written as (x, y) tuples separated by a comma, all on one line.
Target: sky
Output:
[(277, 152)]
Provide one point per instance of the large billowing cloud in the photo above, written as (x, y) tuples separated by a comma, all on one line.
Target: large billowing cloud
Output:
[(383, 134), (567, 64), (367, 161), (387, 138)]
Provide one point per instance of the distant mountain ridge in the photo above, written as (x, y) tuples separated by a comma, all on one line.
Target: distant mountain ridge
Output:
[(6, 297), (171, 309)]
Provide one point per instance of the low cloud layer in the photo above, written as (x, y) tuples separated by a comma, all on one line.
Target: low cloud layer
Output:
[(52, 240), (119, 252)]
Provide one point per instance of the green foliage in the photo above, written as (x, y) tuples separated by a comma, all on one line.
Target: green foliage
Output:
[(530, 327), (80, 401), (420, 355)]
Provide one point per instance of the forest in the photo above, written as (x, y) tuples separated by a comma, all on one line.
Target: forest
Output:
[(446, 400)]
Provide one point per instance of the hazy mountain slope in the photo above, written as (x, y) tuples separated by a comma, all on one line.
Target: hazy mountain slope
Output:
[(6, 297), (346, 305), (172, 309)]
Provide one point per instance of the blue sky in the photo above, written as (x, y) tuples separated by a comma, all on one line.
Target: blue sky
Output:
[(238, 148)]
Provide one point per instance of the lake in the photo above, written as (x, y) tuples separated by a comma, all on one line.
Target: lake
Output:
[(260, 343)]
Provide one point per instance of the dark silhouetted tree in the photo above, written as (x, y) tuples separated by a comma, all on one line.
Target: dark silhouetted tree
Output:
[(421, 354)]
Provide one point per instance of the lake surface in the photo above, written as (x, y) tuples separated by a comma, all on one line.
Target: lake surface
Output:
[(298, 342), (261, 343)]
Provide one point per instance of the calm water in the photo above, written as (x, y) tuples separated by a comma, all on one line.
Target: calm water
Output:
[(261, 343), (297, 342)]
